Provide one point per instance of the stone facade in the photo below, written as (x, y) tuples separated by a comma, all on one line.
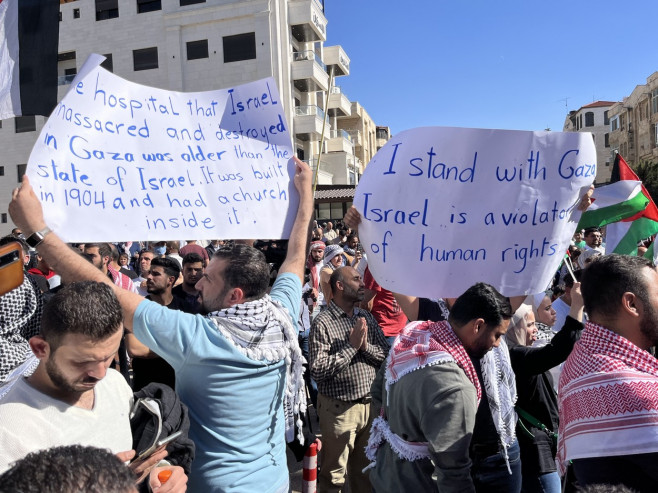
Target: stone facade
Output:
[(594, 118)]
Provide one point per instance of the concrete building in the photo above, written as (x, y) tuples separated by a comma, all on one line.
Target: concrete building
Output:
[(199, 45), (634, 124), (595, 118)]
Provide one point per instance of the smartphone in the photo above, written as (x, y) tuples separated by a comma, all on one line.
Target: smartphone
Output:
[(11, 267), (157, 445)]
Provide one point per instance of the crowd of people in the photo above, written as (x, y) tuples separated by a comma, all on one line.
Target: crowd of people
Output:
[(192, 365)]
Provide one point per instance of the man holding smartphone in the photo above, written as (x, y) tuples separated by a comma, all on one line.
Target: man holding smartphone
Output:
[(72, 397)]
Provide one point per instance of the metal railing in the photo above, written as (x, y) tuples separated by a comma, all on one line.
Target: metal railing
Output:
[(299, 56), (334, 134), (309, 111)]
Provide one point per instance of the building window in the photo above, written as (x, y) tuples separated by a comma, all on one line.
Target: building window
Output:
[(580, 121), (107, 9), (239, 47), (183, 3), (67, 55), (76, 13), (2, 171), (197, 49), (145, 59), (60, 16), (3, 218), (614, 123), (606, 119), (25, 124), (144, 6), (607, 140), (107, 63), (589, 119), (20, 170)]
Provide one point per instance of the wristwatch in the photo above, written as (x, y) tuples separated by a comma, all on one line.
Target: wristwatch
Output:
[(37, 237)]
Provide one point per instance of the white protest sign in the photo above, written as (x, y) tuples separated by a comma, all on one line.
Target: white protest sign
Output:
[(444, 208), (118, 161)]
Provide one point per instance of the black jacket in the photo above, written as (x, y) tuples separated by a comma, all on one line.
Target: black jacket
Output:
[(157, 413), (536, 395)]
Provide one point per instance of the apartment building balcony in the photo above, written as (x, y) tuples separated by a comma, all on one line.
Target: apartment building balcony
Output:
[(356, 135), (308, 122), (309, 73), (339, 104), (307, 20), (339, 141), (324, 177), (336, 58), (344, 166)]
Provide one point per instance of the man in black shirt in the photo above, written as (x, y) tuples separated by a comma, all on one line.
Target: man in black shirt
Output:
[(186, 292), (147, 366)]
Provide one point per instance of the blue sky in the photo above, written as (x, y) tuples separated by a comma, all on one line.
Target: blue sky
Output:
[(506, 64)]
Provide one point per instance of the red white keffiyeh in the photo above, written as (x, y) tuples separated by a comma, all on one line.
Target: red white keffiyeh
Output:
[(608, 399), (121, 280), (423, 344), (419, 344)]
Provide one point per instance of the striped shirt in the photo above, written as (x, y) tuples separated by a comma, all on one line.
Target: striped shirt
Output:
[(341, 371)]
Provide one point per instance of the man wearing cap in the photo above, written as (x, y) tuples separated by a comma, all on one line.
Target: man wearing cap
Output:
[(333, 259)]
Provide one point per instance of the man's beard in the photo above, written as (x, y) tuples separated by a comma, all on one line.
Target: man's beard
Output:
[(61, 382), (649, 322), (155, 290)]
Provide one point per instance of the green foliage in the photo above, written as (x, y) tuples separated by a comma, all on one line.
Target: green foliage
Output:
[(648, 173)]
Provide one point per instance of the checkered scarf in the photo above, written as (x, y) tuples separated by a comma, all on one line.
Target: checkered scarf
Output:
[(262, 330), (500, 386), (20, 319), (608, 398), (418, 345), (423, 344)]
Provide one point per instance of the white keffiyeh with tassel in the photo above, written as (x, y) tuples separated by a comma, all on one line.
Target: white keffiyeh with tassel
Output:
[(500, 386), (262, 330)]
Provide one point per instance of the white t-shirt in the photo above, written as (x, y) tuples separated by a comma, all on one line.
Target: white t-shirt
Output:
[(31, 420)]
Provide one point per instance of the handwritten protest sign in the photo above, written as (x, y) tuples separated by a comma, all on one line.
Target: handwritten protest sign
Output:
[(120, 161), (443, 208)]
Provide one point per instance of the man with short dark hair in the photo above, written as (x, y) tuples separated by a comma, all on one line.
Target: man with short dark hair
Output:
[(143, 268), (147, 366), (429, 392), (346, 348), (186, 292), (73, 397), (594, 240), (239, 369), (69, 469), (608, 391), (101, 256)]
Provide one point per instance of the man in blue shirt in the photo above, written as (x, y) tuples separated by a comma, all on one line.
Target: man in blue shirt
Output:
[(230, 364)]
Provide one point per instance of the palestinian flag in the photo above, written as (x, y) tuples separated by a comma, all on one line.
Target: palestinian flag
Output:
[(29, 37), (614, 202), (623, 237)]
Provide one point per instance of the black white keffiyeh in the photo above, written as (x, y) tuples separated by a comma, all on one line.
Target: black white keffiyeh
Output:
[(20, 319), (262, 330), (500, 386)]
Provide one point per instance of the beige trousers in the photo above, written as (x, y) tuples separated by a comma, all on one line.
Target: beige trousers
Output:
[(345, 430)]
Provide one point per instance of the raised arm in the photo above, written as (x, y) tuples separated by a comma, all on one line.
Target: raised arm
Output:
[(27, 214), (296, 256)]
